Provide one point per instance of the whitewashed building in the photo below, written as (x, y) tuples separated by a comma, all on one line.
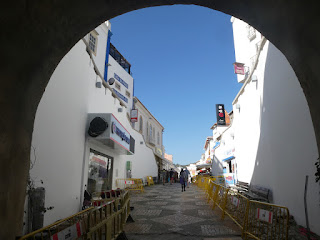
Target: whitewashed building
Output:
[(274, 140), (152, 132), (224, 162), (72, 153)]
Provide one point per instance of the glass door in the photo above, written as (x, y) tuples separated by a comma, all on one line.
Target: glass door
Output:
[(100, 172)]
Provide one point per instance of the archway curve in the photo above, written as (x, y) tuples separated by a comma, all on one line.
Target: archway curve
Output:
[(37, 36)]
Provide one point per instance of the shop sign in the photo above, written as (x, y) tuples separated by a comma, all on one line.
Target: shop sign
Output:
[(119, 134), (239, 68), (134, 115), (221, 118)]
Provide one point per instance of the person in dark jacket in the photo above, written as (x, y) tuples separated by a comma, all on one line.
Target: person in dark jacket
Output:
[(182, 180)]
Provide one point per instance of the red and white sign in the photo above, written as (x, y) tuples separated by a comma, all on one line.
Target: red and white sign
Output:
[(239, 68), (264, 215), (235, 201), (128, 182), (134, 115), (72, 232)]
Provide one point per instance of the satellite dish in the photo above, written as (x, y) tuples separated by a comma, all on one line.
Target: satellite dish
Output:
[(111, 81)]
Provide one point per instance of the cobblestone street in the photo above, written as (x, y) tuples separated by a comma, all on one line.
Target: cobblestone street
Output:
[(164, 212)]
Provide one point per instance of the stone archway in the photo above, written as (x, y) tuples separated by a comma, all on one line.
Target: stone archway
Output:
[(36, 35)]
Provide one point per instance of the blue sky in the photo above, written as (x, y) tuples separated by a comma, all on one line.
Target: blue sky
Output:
[(181, 58)]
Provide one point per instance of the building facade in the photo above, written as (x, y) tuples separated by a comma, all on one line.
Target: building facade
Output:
[(82, 138), (152, 132), (275, 145)]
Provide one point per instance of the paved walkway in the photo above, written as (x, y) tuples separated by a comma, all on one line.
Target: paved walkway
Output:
[(164, 212)]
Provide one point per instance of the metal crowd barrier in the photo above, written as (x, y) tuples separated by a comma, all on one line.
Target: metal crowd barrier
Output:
[(258, 220), (104, 222), (237, 208), (267, 221), (130, 184), (150, 180)]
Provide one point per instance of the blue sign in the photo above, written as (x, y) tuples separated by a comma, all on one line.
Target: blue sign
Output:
[(121, 96), (121, 80), (120, 133)]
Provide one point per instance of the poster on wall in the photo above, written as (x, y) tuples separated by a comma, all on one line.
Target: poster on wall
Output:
[(221, 117)]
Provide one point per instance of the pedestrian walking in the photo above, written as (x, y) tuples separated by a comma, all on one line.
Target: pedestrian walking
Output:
[(164, 175), (171, 176), (187, 173), (182, 180)]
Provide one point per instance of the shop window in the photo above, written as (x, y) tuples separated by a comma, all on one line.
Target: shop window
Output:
[(99, 172), (93, 42)]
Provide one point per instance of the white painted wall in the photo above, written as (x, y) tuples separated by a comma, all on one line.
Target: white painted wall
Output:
[(274, 136), (59, 137)]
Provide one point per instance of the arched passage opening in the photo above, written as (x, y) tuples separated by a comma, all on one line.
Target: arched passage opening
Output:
[(37, 36)]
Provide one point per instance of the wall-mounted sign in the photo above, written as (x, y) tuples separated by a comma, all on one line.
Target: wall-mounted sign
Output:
[(221, 117), (134, 115), (239, 68), (121, 133), (116, 136), (121, 80)]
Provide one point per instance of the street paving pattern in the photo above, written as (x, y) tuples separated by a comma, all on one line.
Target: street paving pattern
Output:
[(164, 212)]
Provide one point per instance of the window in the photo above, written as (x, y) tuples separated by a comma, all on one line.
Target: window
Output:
[(158, 138), (93, 42), (251, 32), (128, 93), (118, 86), (154, 134), (99, 172), (141, 125), (119, 58)]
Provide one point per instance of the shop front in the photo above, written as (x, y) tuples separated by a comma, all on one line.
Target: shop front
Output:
[(107, 142)]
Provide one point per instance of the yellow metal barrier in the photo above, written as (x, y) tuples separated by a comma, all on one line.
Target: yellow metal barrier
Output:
[(267, 221), (89, 223), (236, 208), (107, 222), (131, 184), (150, 180), (258, 220), (218, 179)]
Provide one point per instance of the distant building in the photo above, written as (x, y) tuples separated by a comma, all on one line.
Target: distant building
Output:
[(152, 132)]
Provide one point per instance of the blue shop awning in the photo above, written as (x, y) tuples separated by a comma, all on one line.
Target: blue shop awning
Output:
[(228, 159), (216, 145)]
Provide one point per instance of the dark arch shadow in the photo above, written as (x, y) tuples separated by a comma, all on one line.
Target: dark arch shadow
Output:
[(36, 35)]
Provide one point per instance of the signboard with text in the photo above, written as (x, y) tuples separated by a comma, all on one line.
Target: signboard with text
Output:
[(221, 117), (239, 68), (134, 115)]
